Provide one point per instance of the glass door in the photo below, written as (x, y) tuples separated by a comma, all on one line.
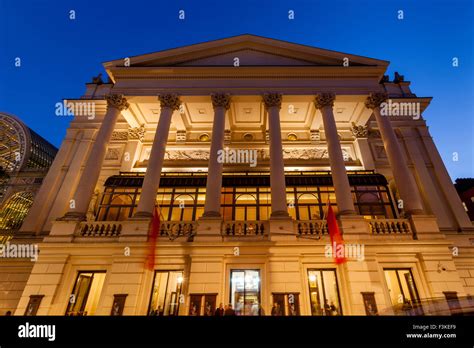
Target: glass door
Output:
[(165, 297), (245, 291)]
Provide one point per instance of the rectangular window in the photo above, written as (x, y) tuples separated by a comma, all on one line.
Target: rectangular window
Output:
[(166, 293), (86, 293), (324, 292), (402, 289)]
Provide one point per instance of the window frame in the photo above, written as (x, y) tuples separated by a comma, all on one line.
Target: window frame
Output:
[(321, 270), (73, 292)]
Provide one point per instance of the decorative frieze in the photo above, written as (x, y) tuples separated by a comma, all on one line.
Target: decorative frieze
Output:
[(192, 155), (113, 154), (117, 101), (136, 133), (262, 154), (119, 135), (130, 134)]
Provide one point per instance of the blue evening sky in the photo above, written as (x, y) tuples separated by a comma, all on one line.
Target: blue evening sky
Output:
[(59, 55)]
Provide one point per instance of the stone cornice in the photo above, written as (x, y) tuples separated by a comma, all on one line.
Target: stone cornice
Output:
[(361, 72)]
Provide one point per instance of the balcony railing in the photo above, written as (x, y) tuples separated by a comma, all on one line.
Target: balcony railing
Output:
[(244, 228), (389, 226), (99, 229), (312, 228), (175, 229)]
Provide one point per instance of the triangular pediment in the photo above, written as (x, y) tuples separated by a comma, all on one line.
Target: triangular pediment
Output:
[(250, 50), (247, 57)]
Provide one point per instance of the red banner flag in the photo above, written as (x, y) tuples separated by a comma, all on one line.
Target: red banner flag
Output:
[(152, 236), (337, 243)]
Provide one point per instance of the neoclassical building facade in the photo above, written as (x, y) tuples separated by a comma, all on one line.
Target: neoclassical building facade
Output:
[(241, 144)]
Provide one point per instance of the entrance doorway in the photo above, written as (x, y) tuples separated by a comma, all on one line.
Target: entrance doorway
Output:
[(245, 291)]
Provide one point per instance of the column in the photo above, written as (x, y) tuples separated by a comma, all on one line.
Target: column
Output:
[(221, 103), (445, 182), (362, 146), (324, 102), (115, 104), (404, 180), (44, 199), (277, 169), (134, 140), (169, 103), (429, 189)]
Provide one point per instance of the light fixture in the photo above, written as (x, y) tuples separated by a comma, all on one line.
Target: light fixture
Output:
[(204, 137), (180, 279), (292, 137), (312, 278), (248, 137)]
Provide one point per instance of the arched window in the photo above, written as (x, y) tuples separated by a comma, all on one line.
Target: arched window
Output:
[(245, 207), (15, 210), (308, 205), (373, 201), (183, 207)]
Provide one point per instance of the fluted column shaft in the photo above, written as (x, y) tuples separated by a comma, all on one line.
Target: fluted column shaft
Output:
[(151, 182), (324, 102), (404, 179), (277, 167), (221, 103), (90, 174)]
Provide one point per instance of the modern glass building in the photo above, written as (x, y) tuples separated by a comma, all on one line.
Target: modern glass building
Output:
[(25, 158)]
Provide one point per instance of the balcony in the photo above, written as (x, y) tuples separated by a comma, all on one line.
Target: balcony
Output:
[(258, 230), (245, 230), (99, 229), (392, 228), (312, 229), (176, 229)]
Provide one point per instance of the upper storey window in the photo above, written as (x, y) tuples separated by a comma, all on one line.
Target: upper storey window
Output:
[(244, 198)]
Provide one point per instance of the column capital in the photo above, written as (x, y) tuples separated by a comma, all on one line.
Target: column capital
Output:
[(359, 131), (117, 101), (220, 100), (375, 99), (169, 101), (324, 99), (272, 99)]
